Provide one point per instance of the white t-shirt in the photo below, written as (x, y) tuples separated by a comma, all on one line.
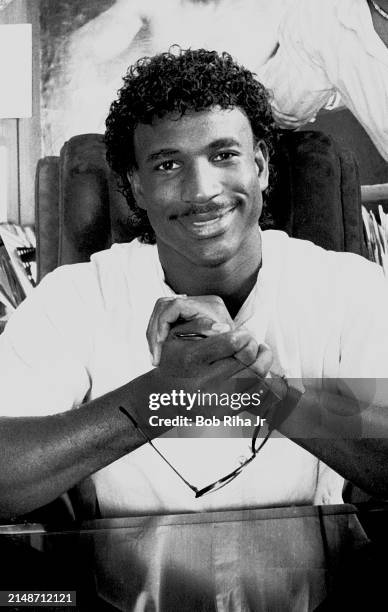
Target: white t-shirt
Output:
[(328, 47), (81, 334)]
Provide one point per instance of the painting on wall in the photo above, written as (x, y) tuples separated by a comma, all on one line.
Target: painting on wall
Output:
[(4, 3), (87, 46)]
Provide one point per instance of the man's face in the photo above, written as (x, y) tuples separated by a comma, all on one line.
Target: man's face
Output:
[(200, 179)]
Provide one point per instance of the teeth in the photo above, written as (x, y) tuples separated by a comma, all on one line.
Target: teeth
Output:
[(210, 222), (213, 219), (201, 224)]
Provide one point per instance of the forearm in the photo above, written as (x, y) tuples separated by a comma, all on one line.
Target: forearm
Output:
[(293, 102), (347, 435), (297, 75), (41, 457)]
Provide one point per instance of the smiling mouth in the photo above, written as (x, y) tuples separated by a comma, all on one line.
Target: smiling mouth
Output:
[(207, 224)]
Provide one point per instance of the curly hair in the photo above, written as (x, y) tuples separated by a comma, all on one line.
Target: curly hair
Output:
[(181, 81)]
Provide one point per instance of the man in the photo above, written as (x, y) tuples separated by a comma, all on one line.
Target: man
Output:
[(190, 135)]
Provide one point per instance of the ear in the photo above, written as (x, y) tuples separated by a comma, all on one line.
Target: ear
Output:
[(137, 190), (261, 160)]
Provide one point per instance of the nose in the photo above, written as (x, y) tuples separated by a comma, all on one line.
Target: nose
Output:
[(200, 183)]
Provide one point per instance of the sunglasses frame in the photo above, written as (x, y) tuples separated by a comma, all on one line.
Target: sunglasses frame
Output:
[(218, 484)]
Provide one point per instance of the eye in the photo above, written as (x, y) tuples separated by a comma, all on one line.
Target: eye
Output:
[(225, 156), (167, 166)]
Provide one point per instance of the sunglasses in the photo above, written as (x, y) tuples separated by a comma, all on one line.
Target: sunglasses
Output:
[(218, 484)]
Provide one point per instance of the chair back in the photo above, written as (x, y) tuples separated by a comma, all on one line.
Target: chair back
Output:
[(79, 209)]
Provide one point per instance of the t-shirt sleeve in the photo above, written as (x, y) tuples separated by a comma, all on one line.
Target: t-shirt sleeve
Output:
[(296, 75), (44, 349)]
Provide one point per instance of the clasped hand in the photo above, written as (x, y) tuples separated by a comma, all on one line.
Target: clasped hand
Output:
[(218, 362)]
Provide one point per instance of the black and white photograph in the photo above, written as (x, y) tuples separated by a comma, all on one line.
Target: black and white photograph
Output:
[(193, 305)]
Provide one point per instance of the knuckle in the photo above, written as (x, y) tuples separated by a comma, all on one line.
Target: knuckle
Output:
[(163, 304), (160, 301), (203, 323), (218, 300), (248, 353), (242, 342), (235, 339), (180, 301)]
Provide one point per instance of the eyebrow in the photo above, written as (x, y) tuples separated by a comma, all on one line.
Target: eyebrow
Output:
[(224, 142), (161, 153)]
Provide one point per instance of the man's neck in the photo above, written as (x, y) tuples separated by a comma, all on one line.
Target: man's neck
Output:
[(232, 281)]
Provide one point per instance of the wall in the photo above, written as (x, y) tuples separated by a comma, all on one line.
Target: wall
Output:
[(62, 68), (21, 205)]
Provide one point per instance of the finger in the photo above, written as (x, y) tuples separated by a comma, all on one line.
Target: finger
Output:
[(263, 361), (224, 370), (220, 346), (159, 305), (150, 332), (171, 313), (252, 378), (249, 353), (156, 353), (203, 326), (168, 312), (227, 376), (169, 309), (182, 309)]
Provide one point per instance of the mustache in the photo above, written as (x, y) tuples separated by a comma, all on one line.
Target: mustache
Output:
[(210, 207)]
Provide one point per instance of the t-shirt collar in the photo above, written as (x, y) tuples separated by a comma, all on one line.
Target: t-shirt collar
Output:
[(261, 298)]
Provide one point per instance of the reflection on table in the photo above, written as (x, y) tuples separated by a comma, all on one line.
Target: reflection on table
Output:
[(294, 558)]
